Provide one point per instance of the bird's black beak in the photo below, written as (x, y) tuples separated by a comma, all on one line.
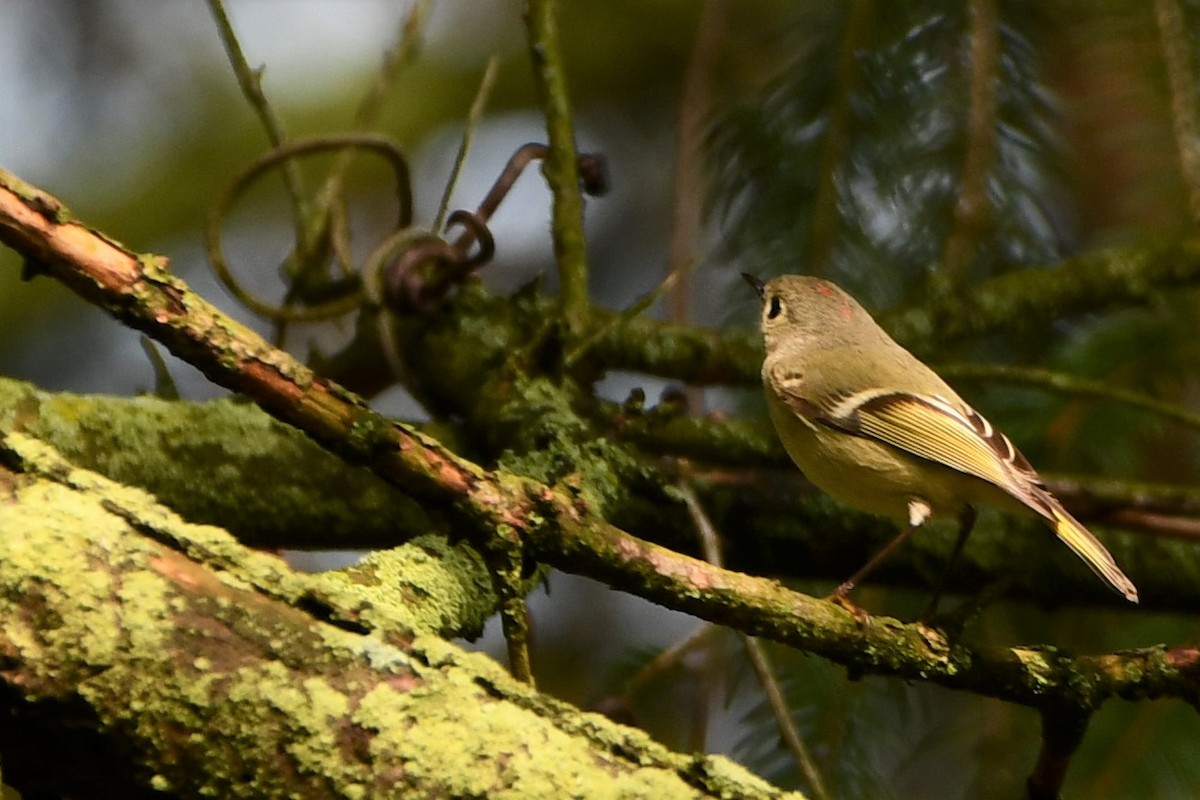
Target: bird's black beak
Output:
[(758, 285)]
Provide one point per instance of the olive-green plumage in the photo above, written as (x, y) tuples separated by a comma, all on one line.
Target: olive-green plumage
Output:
[(878, 430)]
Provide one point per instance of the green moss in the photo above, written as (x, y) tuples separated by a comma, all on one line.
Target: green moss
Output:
[(370, 434), (68, 577), (264, 480)]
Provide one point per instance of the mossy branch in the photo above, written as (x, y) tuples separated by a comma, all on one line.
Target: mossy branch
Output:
[(205, 684), (562, 170), (1094, 281), (555, 523), (425, 586), (313, 500)]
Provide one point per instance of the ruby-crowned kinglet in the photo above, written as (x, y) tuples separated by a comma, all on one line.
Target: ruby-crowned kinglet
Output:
[(879, 431)]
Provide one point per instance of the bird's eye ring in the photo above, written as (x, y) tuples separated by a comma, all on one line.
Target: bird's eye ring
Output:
[(775, 308)]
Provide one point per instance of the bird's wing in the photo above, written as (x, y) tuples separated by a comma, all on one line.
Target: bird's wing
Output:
[(956, 436), (929, 427)]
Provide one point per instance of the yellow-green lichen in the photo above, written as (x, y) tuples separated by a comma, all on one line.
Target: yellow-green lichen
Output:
[(268, 700), (1036, 666), (452, 736), (426, 585), (29, 547)]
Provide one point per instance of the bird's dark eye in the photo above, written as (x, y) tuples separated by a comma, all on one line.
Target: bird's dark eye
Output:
[(775, 308)]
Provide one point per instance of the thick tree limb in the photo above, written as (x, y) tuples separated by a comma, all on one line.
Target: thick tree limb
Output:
[(211, 686), (312, 500), (424, 586)]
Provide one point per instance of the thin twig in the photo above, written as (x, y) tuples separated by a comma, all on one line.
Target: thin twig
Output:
[(972, 211), (561, 165), (668, 658), (286, 154), (1071, 385), (1094, 497), (710, 544), (826, 214), (763, 669), (1185, 528), (1181, 80), (365, 116), (408, 39), (639, 306), (473, 117), (250, 81), (164, 383), (327, 212)]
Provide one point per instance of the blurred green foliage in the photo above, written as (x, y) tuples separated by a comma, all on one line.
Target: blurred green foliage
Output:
[(850, 163)]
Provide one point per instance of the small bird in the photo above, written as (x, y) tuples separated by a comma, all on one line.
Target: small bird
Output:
[(876, 429)]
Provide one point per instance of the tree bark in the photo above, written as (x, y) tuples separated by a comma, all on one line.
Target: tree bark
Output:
[(200, 683)]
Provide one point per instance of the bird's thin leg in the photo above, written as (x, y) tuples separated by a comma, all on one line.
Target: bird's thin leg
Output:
[(844, 589), (966, 522)]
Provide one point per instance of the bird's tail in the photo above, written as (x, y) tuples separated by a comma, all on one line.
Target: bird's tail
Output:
[(1088, 547)]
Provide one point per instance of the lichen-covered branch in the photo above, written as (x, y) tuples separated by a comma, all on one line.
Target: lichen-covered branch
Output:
[(211, 686), (426, 585), (1093, 281), (878, 645), (312, 500), (556, 522)]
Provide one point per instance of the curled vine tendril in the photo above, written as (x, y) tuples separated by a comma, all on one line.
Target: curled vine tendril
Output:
[(382, 146), (412, 269), (420, 276)]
